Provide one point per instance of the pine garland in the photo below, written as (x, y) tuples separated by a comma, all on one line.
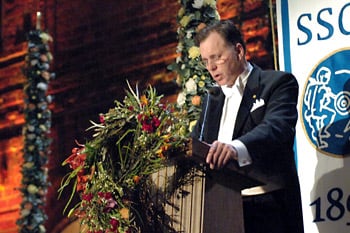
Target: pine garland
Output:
[(36, 133)]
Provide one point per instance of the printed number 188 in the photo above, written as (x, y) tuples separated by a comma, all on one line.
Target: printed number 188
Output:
[(336, 209)]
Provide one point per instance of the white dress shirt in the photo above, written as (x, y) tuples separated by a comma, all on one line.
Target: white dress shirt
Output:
[(233, 98)]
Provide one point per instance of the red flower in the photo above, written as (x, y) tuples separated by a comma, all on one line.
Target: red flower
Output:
[(101, 194), (155, 121), (114, 224), (87, 197), (149, 123), (140, 117), (102, 119), (107, 195), (82, 180), (147, 127), (77, 158)]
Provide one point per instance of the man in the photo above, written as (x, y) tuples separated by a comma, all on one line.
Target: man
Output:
[(251, 121)]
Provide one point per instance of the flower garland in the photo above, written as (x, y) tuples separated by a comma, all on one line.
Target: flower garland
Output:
[(35, 131), (111, 172), (193, 78), (137, 138)]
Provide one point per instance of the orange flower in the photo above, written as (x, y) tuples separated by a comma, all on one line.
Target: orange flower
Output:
[(82, 180), (77, 158), (79, 213), (144, 100), (200, 26), (136, 179), (124, 212), (161, 150), (196, 100)]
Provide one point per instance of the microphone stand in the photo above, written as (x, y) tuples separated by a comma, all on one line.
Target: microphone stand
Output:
[(212, 91)]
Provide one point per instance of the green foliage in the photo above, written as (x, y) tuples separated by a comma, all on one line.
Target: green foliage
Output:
[(132, 141), (193, 78)]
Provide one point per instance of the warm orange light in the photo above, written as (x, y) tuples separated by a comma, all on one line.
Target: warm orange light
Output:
[(12, 116)]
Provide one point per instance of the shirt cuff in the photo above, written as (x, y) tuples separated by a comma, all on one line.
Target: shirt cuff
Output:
[(244, 158)]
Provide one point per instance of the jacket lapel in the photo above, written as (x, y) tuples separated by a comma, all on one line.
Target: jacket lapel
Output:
[(213, 123), (251, 93)]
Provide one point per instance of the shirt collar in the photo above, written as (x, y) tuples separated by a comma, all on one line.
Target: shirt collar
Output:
[(240, 82), (243, 77)]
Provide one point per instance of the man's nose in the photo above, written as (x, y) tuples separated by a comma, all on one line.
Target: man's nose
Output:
[(211, 65)]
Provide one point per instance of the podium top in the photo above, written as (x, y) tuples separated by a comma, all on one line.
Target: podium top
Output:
[(232, 175)]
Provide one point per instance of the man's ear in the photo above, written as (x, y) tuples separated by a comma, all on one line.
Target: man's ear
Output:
[(239, 50)]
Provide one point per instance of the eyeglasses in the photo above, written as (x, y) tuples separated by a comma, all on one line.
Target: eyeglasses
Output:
[(216, 60)]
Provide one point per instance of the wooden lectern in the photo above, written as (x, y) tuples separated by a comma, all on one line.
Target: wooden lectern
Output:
[(223, 208)]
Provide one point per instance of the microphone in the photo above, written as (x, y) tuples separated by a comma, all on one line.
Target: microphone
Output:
[(214, 91)]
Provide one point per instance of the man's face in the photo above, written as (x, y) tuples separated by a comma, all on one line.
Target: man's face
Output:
[(223, 61)]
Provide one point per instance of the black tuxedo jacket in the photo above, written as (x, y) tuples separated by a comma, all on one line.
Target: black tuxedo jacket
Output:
[(268, 132)]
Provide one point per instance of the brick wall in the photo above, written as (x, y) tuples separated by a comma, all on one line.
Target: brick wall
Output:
[(97, 46)]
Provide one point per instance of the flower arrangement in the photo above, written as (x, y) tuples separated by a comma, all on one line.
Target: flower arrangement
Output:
[(137, 138), (132, 140), (193, 78), (36, 133)]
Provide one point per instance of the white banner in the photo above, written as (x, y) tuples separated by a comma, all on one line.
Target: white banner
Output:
[(314, 45)]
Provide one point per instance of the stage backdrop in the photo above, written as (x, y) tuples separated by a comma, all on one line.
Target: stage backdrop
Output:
[(314, 44)]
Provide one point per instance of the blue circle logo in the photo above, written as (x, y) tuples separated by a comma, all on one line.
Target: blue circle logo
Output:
[(326, 105)]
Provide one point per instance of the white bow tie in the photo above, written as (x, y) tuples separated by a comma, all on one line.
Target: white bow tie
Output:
[(229, 91)]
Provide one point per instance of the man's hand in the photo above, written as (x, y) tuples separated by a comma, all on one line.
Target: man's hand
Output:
[(220, 154)]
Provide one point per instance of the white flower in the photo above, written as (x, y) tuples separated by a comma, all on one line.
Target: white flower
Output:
[(181, 99), (179, 48), (189, 34), (217, 15), (45, 37), (191, 85), (191, 125), (178, 59), (42, 228), (197, 4), (42, 86)]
